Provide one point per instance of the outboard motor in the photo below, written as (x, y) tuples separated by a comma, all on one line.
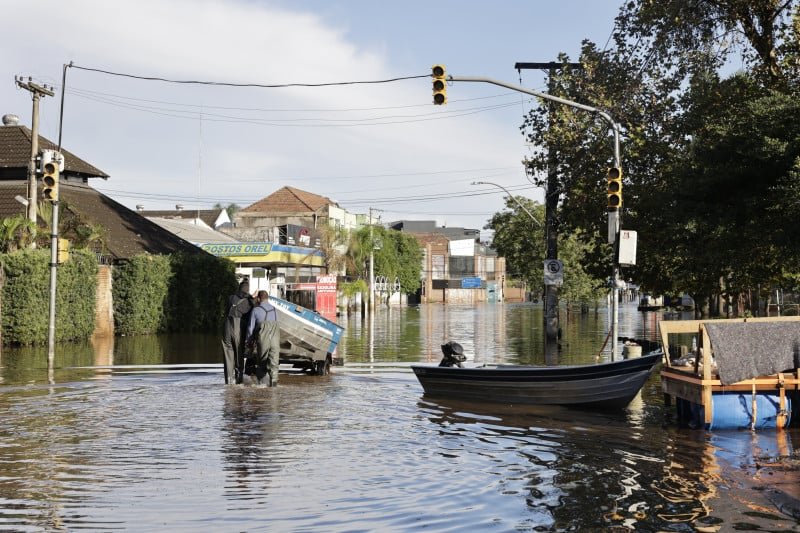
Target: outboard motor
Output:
[(453, 354)]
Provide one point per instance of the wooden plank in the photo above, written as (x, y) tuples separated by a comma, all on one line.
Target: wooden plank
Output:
[(682, 390), (765, 382), (707, 353)]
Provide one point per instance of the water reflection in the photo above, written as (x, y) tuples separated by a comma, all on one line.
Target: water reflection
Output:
[(106, 450), (489, 333), (250, 425), (581, 471)]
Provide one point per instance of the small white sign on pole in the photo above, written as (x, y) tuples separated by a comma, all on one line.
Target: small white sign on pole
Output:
[(553, 272), (627, 247)]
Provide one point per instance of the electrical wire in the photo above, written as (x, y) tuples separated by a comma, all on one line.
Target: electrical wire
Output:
[(407, 119), (87, 93), (359, 201), (234, 84), (392, 175)]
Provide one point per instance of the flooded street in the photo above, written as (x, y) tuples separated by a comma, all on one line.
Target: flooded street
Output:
[(149, 449)]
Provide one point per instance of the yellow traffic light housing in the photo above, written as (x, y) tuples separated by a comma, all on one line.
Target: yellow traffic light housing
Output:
[(50, 173), (63, 250), (614, 192), (439, 84)]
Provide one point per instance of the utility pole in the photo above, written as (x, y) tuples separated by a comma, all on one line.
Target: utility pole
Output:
[(613, 215), (370, 304), (37, 91), (551, 196), (371, 300)]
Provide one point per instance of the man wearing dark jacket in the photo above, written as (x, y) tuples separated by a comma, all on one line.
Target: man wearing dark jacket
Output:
[(239, 306)]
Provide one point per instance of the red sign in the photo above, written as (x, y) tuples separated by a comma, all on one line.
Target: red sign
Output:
[(326, 295)]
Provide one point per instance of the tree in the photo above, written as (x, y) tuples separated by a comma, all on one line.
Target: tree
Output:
[(693, 142), (520, 239), (397, 255), (230, 208), (16, 232), (580, 287)]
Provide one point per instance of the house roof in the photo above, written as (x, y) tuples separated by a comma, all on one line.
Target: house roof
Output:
[(15, 152), (429, 226), (209, 216), (289, 200), (194, 233), (126, 232)]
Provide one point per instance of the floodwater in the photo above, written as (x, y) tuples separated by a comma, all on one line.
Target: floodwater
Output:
[(121, 446)]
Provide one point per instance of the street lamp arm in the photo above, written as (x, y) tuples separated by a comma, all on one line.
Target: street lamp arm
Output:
[(605, 116), (512, 197)]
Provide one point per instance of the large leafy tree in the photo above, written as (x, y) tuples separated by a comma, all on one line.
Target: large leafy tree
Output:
[(520, 239), (694, 141), (397, 255)]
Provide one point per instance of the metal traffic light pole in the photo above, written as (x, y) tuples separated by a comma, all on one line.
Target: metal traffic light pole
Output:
[(613, 215)]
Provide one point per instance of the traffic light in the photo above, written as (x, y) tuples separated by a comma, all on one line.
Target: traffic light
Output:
[(50, 173), (63, 250), (614, 188), (439, 85)]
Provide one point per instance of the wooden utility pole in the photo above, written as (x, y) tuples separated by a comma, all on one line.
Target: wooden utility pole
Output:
[(37, 91), (552, 194)]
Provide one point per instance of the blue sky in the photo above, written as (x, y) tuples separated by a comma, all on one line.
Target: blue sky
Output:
[(383, 146)]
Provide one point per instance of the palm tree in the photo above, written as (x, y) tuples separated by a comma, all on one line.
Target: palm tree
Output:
[(16, 232)]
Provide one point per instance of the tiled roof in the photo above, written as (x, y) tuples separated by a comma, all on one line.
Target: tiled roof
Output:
[(126, 232), (15, 152), (209, 216), (289, 200)]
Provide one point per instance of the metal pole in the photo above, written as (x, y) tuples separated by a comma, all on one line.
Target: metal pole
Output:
[(61, 109), (511, 196), (370, 304), (51, 326), (613, 216)]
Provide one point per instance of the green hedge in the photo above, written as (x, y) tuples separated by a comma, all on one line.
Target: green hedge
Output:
[(139, 292), (26, 296), (151, 294), (198, 292), (183, 292)]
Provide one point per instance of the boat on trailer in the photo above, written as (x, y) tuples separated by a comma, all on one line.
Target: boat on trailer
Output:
[(309, 341), (608, 385)]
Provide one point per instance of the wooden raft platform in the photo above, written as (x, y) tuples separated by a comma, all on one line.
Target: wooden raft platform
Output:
[(698, 383)]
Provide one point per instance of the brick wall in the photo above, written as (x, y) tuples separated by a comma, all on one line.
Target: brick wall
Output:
[(104, 312)]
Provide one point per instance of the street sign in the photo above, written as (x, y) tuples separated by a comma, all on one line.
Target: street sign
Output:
[(627, 247), (553, 272), (471, 283)]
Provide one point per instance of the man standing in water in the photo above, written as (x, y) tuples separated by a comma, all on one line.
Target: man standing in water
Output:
[(239, 305), (263, 338)]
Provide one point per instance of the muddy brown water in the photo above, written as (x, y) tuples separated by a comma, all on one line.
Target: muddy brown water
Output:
[(160, 448)]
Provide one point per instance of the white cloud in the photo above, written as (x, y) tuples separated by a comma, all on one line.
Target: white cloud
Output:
[(151, 152)]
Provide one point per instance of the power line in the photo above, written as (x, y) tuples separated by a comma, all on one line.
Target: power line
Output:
[(392, 175), (359, 201), (234, 84), (383, 120), (88, 93)]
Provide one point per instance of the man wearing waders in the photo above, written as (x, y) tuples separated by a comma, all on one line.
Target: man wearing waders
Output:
[(263, 338), (233, 335)]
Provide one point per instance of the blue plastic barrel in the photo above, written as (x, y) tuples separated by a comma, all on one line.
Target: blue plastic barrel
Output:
[(735, 411)]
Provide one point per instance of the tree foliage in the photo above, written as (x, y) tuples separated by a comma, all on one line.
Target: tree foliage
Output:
[(520, 239), (397, 255), (709, 156)]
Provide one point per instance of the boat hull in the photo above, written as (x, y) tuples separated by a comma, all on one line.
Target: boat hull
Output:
[(603, 386)]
